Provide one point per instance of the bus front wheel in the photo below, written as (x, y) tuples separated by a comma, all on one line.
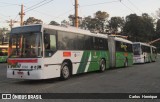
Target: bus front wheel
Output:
[(65, 71)]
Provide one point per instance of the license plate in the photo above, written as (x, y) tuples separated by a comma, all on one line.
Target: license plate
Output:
[(20, 73)]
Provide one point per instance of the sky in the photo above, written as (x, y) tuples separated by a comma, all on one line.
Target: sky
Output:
[(58, 10)]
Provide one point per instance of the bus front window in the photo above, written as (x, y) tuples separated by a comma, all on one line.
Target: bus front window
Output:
[(27, 45), (136, 49)]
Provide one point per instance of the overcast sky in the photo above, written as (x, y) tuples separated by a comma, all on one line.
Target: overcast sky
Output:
[(58, 10)]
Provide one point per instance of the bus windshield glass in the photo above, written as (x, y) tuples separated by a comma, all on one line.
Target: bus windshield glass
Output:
[(136, 49), (28, 45)]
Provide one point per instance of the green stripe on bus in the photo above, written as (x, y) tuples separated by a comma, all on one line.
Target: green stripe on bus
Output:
[(84, 61)]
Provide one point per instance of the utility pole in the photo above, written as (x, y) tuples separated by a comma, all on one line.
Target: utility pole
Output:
[(76, 13), (21, 15), (11, 23)]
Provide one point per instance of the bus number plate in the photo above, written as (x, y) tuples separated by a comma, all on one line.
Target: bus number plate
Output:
[(20, 73)]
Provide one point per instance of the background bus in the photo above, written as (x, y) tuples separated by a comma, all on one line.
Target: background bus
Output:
[(3, 53), (142, 52), (153, 53), (45, 51), (120, 51)]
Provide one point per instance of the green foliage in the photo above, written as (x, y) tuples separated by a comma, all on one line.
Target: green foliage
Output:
[(54, 23), (32, 20), (139, 28), (114, 23)]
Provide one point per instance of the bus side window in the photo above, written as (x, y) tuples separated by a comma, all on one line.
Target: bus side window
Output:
[(50, 44)]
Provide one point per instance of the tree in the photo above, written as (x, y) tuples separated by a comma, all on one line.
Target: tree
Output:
[(158, 13), (139, 28), (64, 22), (71, 19), (101, 18), (114, 23), (148, 23), (32, 20), (158, 28), (86, 23), (95, 23), (54, 23), (133, 27)]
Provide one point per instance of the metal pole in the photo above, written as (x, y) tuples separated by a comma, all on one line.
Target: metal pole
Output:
[(76, 13), (21, 15)]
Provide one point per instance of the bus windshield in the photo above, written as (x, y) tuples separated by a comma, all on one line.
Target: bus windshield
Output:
[(28, 45), (136, 49)]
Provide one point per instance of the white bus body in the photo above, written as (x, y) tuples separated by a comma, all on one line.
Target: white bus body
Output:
[(142, 52), (41, 67)]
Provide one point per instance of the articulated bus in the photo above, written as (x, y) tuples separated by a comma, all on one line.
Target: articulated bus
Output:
[(153, 53), (45, 51), (142, 52), (3, 53), (121, 53)]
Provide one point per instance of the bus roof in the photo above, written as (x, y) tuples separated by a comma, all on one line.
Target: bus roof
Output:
[(74, 30), (122, 39), (27, 28), (141, 43), (153, 46)]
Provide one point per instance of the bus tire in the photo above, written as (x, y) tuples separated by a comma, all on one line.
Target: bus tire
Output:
[(126, 63), (102, 65), (65, 71)]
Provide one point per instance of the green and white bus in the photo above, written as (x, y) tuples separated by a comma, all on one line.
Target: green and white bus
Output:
[(153, 53), (3, 53), (46, 51), (142, 52), (121, 53)]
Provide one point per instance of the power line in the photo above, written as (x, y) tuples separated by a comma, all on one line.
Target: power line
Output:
[(127, 7), (8, 3), (35, 5), (39, 5), (101, 3), (63, 13), (4, 15), (135, 6)]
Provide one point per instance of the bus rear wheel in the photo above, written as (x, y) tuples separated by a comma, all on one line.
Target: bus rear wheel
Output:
[(102, 65), (65, 71)]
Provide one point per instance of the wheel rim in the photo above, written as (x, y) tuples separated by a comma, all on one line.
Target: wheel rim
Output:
[(102, 66), (65, 72)]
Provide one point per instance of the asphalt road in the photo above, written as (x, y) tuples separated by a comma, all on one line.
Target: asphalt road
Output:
[(141, 78)]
